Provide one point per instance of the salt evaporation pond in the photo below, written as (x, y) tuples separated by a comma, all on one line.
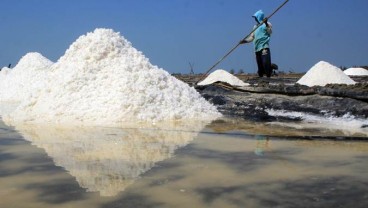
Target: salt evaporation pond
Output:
[(187, 163), (226, 164)]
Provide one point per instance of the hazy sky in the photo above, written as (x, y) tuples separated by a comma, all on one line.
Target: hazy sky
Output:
[(172, 33)]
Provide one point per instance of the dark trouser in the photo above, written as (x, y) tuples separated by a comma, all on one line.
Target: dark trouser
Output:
[(264, 62)]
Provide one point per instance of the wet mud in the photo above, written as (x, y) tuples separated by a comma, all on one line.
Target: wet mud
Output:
[(283, 93)]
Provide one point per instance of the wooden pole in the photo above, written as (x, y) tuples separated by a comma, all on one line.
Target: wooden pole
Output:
[(233, 49)]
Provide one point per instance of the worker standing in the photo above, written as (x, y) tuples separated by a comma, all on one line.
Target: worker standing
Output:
[(261, 39)]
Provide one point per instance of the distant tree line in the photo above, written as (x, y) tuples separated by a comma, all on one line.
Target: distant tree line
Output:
[(240, 71)]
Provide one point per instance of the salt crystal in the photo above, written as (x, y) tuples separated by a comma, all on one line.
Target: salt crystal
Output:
[(221, 75), (324, 73)]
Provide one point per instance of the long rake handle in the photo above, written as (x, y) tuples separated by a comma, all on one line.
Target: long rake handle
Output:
[(233, 49)]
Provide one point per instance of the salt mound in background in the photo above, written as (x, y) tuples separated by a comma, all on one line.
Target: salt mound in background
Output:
[(222, 76), (356, 72), (27, 77), (324, 73), (103, 80)]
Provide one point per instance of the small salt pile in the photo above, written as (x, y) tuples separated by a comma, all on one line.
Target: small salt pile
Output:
[(25, 78), (103, 80), (221, 75), (4, 71), (356, 72), (324, 73)]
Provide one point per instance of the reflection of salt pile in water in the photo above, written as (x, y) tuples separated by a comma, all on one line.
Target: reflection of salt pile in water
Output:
[(324, 73), (108, 160), (103, 80), (222, 76), (27, 77), (356, 72)]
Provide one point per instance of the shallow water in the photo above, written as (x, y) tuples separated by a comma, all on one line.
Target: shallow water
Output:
[(228, 163)]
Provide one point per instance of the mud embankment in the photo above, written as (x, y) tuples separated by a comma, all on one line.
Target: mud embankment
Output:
[(282, 94)]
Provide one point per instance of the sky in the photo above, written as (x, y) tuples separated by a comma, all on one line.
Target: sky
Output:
[(174, 33)]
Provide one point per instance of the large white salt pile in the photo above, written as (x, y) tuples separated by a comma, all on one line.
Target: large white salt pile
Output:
[(324, 73), (356, 72), (27, 77), (221, 75), (103, 80)]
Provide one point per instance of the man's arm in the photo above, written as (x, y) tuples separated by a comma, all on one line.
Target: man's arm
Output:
[(248, 39)]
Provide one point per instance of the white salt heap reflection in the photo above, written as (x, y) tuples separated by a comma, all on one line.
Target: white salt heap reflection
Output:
[(324, 73), (27, 77), (221, 75), (108, 160), (356, 72), (103, 80)]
